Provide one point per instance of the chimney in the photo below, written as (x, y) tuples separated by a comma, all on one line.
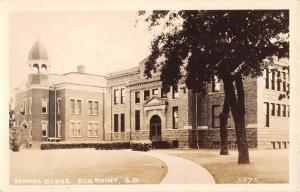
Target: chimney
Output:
[(81, 69)]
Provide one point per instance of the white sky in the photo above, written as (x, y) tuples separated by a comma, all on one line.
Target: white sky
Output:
[(102, 41)]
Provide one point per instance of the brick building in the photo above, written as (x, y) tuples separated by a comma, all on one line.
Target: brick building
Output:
[(124, 105)]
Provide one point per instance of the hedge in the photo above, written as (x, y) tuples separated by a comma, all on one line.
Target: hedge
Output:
[(99, 145), (141, 145)]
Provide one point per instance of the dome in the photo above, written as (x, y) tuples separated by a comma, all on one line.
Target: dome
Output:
[(37, 52)]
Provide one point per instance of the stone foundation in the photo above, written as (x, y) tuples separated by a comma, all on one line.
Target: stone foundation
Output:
[(207, 137)]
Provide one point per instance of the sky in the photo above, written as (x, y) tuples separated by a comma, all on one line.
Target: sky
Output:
[(102, 41)]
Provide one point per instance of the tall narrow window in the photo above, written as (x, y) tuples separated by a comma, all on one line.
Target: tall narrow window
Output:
[(267, 79), (163, 94), (78, 130), (116, 123), (30, 106), (90, 107), (155, 91), (72, 106), (78, 107), (44, 106), (122, 122), (272, 109), (95, 129), (72, 129), (44, 129), (216, 84), (146, 95), (90, 129), (58, 105), (273, 80), (267, 115), (278, 81), (283, 110), (175, 117), (96, 108), (122, 95), (174, 92), (23, 109), (137, 120), (116, 96), (278, 110), (58, 128), (288, 110), (216, 116), (137, 97)]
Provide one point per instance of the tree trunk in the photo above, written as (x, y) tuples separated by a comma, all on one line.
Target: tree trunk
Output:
[(223, 121), (240, 123), (237, 107)]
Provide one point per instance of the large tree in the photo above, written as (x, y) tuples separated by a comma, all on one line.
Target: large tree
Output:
[(193, 47)]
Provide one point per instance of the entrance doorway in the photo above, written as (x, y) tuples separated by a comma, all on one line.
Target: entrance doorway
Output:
[(155, 128)]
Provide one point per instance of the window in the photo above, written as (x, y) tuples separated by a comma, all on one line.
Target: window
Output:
[(278, 81), (122, 122), (78, 130), (288, 110), (137, 120), (267, 79), (116, 123), (90, 106), (96, 108), (72, 129), (44, 106), (72, 106), (116, 96), (216, 116), (78, 107), (273, 80), (58, 128), (155, 91), (93, 129), (272, 109), (30, 105), (146, 95), (216, 84), (175, 117), (137, 97), (284, 85), (267, 115), (278, 110), (58, 105), (122, 96), (44, 128), (163, 94), (283, 110), (174, 93)]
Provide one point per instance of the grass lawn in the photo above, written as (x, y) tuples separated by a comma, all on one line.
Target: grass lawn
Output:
[(84, 166), (267, 166)]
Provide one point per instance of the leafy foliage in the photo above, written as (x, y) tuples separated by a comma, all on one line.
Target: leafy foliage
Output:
[(196, 45)]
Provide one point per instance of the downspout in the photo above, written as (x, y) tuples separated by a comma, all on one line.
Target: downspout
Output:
[(196, 127), (130, 114), (103, 115), (111, 119), (55, 103)]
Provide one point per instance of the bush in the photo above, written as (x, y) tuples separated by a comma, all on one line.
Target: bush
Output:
[(18, 137), (141, 145), (161, 145), (97, 145)]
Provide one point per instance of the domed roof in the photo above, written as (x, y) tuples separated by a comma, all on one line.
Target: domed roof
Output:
[(38, 51)]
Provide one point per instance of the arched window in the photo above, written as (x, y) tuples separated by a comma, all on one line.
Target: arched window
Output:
[(36, 68), (44, 68)]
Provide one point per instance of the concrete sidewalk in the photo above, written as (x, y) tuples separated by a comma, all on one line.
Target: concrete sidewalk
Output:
[(182, 171)]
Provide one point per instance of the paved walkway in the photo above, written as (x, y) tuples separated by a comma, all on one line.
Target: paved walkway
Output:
[(182, 171)]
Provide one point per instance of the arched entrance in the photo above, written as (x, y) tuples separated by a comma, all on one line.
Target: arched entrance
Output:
[(155, 128)]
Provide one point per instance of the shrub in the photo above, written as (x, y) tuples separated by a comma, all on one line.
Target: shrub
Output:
[(161, 145), (141, 145), (97, 145), (17, 137)]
